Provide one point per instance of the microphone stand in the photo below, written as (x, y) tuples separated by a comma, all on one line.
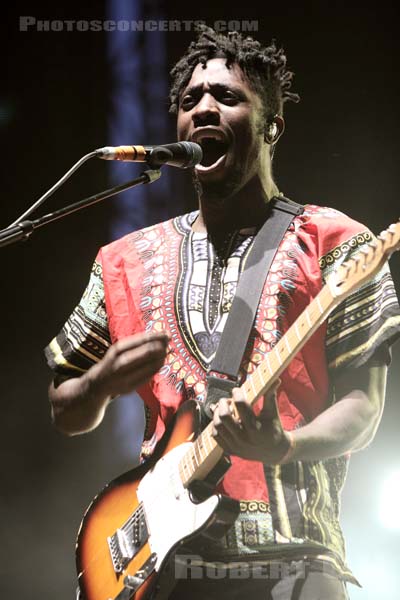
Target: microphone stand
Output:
[(24, 229)]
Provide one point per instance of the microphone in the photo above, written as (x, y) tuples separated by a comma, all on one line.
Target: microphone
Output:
[(180, 154)]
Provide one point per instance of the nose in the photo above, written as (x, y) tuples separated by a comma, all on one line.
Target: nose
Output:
[(206, 111)]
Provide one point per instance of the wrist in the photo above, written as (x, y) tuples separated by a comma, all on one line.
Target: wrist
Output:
[(93, 390), (290, 449)]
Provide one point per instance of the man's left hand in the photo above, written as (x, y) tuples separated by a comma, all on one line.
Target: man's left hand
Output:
[(239, 431)]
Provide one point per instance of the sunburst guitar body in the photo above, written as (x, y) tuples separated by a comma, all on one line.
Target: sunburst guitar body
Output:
[(131, 530)]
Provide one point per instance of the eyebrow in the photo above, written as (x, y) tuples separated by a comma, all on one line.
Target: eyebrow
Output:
[(214, 87)]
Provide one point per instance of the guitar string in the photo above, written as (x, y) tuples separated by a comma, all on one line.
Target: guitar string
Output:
[(311, 314), (139, 512), (193, 456)]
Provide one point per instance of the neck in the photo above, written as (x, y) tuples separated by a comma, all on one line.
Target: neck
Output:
[(246, 208)]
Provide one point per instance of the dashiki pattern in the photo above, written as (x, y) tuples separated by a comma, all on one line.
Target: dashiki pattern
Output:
[(176, 280)]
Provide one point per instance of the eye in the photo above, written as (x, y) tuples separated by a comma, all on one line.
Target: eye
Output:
[(229, 97), (187, 102)]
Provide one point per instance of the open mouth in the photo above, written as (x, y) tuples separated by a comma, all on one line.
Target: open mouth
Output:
[(214, 153), (213, 150)]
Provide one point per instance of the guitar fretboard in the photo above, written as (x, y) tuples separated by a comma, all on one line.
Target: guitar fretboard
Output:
[(205, 452)]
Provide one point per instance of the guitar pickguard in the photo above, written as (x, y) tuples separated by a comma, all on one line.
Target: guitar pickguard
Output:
[(170, 513)]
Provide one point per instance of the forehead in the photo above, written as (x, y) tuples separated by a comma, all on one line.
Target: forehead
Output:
[(217, 73)]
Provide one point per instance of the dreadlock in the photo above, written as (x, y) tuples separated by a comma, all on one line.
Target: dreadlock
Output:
[(265, 67)]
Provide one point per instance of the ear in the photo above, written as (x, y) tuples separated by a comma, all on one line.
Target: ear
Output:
[(274, 129)]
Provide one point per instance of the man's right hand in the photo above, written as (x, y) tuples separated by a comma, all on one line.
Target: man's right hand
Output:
[(78, 404), (128, 364)]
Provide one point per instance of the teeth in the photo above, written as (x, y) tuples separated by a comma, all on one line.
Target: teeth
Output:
[(208, 134), (215, 146)]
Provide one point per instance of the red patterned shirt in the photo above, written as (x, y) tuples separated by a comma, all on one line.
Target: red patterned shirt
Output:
[(167, 277)]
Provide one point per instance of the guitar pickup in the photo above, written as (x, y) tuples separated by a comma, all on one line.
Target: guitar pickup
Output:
[(127, 541)]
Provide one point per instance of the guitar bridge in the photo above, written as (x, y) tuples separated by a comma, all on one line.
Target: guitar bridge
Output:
[(133, 582), (126, 542)]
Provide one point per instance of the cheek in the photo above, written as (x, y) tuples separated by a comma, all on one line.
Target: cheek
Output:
[(182, 126), (248, 146), (248, 132)]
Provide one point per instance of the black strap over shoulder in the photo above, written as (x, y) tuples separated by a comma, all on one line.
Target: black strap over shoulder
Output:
[(242, 314)]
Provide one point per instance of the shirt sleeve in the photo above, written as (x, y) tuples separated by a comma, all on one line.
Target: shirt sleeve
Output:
[(368, 319), (85, 337)]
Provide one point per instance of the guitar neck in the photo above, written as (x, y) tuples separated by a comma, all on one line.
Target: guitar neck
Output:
[(294, 339), (205, 452)]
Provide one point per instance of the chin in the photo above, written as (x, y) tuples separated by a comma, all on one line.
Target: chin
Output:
[(217, 189)]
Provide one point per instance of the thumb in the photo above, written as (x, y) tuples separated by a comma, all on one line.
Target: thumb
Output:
[(269, 407)]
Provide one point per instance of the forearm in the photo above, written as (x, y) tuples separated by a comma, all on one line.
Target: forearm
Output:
[(350, 423), (76, 405), (346, 426)]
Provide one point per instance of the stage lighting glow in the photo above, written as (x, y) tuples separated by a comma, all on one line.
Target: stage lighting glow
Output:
[(389, 502)]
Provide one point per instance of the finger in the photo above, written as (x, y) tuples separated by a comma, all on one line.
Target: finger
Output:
[(139, 339), (270, 409), (275, 386), (237, 398), (148, 353), (224, 409), (222, 412), (246, 414), (123, 373), (225, 439), (225, 419), (131, 381)]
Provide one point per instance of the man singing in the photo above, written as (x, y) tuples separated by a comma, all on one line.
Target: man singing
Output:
[(158, 300)]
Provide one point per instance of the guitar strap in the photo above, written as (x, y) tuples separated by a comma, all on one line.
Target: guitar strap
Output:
[(224, 370)]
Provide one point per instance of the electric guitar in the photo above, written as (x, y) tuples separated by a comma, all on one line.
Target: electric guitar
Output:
[(132, 528)]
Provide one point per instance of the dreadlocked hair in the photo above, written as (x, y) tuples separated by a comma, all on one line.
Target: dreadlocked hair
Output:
[(264, 67)]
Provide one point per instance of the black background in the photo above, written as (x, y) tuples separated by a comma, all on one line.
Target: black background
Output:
[(340, 148)]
